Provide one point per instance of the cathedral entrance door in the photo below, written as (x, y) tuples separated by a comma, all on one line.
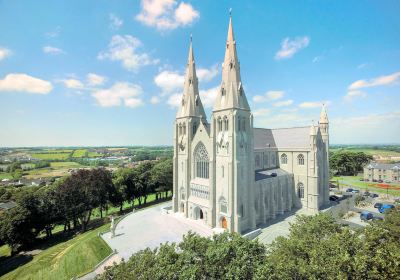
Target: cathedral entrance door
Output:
[(201, 214), (224, 223)]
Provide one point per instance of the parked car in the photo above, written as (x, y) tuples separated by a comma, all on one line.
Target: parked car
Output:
[(367, 193), (349, 190), (373, 195), (380, 181), (385, 207), (365, 216), (374, 180), (273, 174), (361, 179), (355, 191), (334, 198), (378, 205), (366, 180)]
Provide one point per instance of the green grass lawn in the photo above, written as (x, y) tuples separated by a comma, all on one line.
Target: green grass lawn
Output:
[(49, 156), (94, 154), (354, 181), (79, 153), (5, 175), (371, 152), (65, 260), (64, 164)]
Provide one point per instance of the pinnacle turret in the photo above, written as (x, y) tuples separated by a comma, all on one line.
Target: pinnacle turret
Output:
[(323, 119), (231, 94), (191, 105)]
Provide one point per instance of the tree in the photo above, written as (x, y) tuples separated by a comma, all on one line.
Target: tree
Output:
[(347, 162), (162, 175)]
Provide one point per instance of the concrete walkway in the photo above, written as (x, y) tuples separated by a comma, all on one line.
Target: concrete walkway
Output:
[(149, 228)]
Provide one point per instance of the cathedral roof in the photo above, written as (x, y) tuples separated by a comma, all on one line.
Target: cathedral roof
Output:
[(295, 137), (231, 93), (191, 105)]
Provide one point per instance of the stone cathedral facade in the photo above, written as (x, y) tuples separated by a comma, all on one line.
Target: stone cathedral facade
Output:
[(234, 176)]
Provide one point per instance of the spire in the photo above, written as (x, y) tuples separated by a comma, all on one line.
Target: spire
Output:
[(323, 119), (231, 94), (191, 105)]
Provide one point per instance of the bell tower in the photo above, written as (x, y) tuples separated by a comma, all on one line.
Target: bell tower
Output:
[(188, 118), (232, 134)]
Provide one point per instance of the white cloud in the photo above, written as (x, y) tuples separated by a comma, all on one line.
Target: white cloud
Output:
[(261, 112), (206, 75), (174, 100), (73, 83), (372, 128), (52, 50), (165, 14), (317, 59), (379, 81), (354, 94), (169, 81), (317, 104), (95, 80), (283, 103), (155, 100), (208, 96), (290, 47), (4, 53), (54, 33), (363, 66), (116, 22), (269, 96), (120, 93), (125, 49), (25, 83)]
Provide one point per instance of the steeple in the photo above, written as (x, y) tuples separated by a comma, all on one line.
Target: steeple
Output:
[(323, 119), (191, 105), (231, 93)]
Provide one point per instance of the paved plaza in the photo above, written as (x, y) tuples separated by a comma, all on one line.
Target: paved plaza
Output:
[(149, 228)]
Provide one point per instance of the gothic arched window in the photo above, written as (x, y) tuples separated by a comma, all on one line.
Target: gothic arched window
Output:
[(239, 124), (219, 124), (244, 124), (300, 190), (180, 129), (201, 161), (226, 123), (300, 159), (223, 206), (265, 159), (284, 159), (194, 128)]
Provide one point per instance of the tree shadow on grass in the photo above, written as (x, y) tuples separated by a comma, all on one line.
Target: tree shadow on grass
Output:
[(8, 264)]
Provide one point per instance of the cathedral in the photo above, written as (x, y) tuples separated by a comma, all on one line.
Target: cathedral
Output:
[(232, 175)]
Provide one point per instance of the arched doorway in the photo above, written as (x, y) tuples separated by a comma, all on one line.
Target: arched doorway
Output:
[(224, 223), (201, 216)]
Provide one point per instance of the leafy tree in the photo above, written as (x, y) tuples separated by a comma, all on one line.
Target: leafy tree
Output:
[(347, 162), (162, 175)]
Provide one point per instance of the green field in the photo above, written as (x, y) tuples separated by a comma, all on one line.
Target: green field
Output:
[(65, 260), (94, 154), (79, 153), (5, 175), (52, 156), (64, 164), (372, 152), (354, 182)]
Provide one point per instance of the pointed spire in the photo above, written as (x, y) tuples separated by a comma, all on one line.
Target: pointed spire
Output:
[(323, 119), (231, 94), (191, 105)]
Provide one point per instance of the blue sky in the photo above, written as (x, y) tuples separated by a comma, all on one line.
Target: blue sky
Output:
[(111, 72)]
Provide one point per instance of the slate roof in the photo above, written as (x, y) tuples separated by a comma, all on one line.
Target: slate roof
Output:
[(265, 174), (296, 137), (384, 166)]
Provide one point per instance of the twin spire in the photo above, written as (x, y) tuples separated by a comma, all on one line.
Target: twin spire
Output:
[(231, 94)]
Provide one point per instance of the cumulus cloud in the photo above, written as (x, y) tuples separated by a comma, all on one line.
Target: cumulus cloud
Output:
[(166, 14), (316, 104), (95, 80), (4, 53), (115, 22), (73, 83), (54, 33), (283, 103), (155, 100), (261, 112), (174, 100), (290, 47), (52, 50), (206, 75), (169, 81), (25, 83), (379, 81), (208, 96), (125, 49), (120, 93), (354, 94), (269, 96)]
